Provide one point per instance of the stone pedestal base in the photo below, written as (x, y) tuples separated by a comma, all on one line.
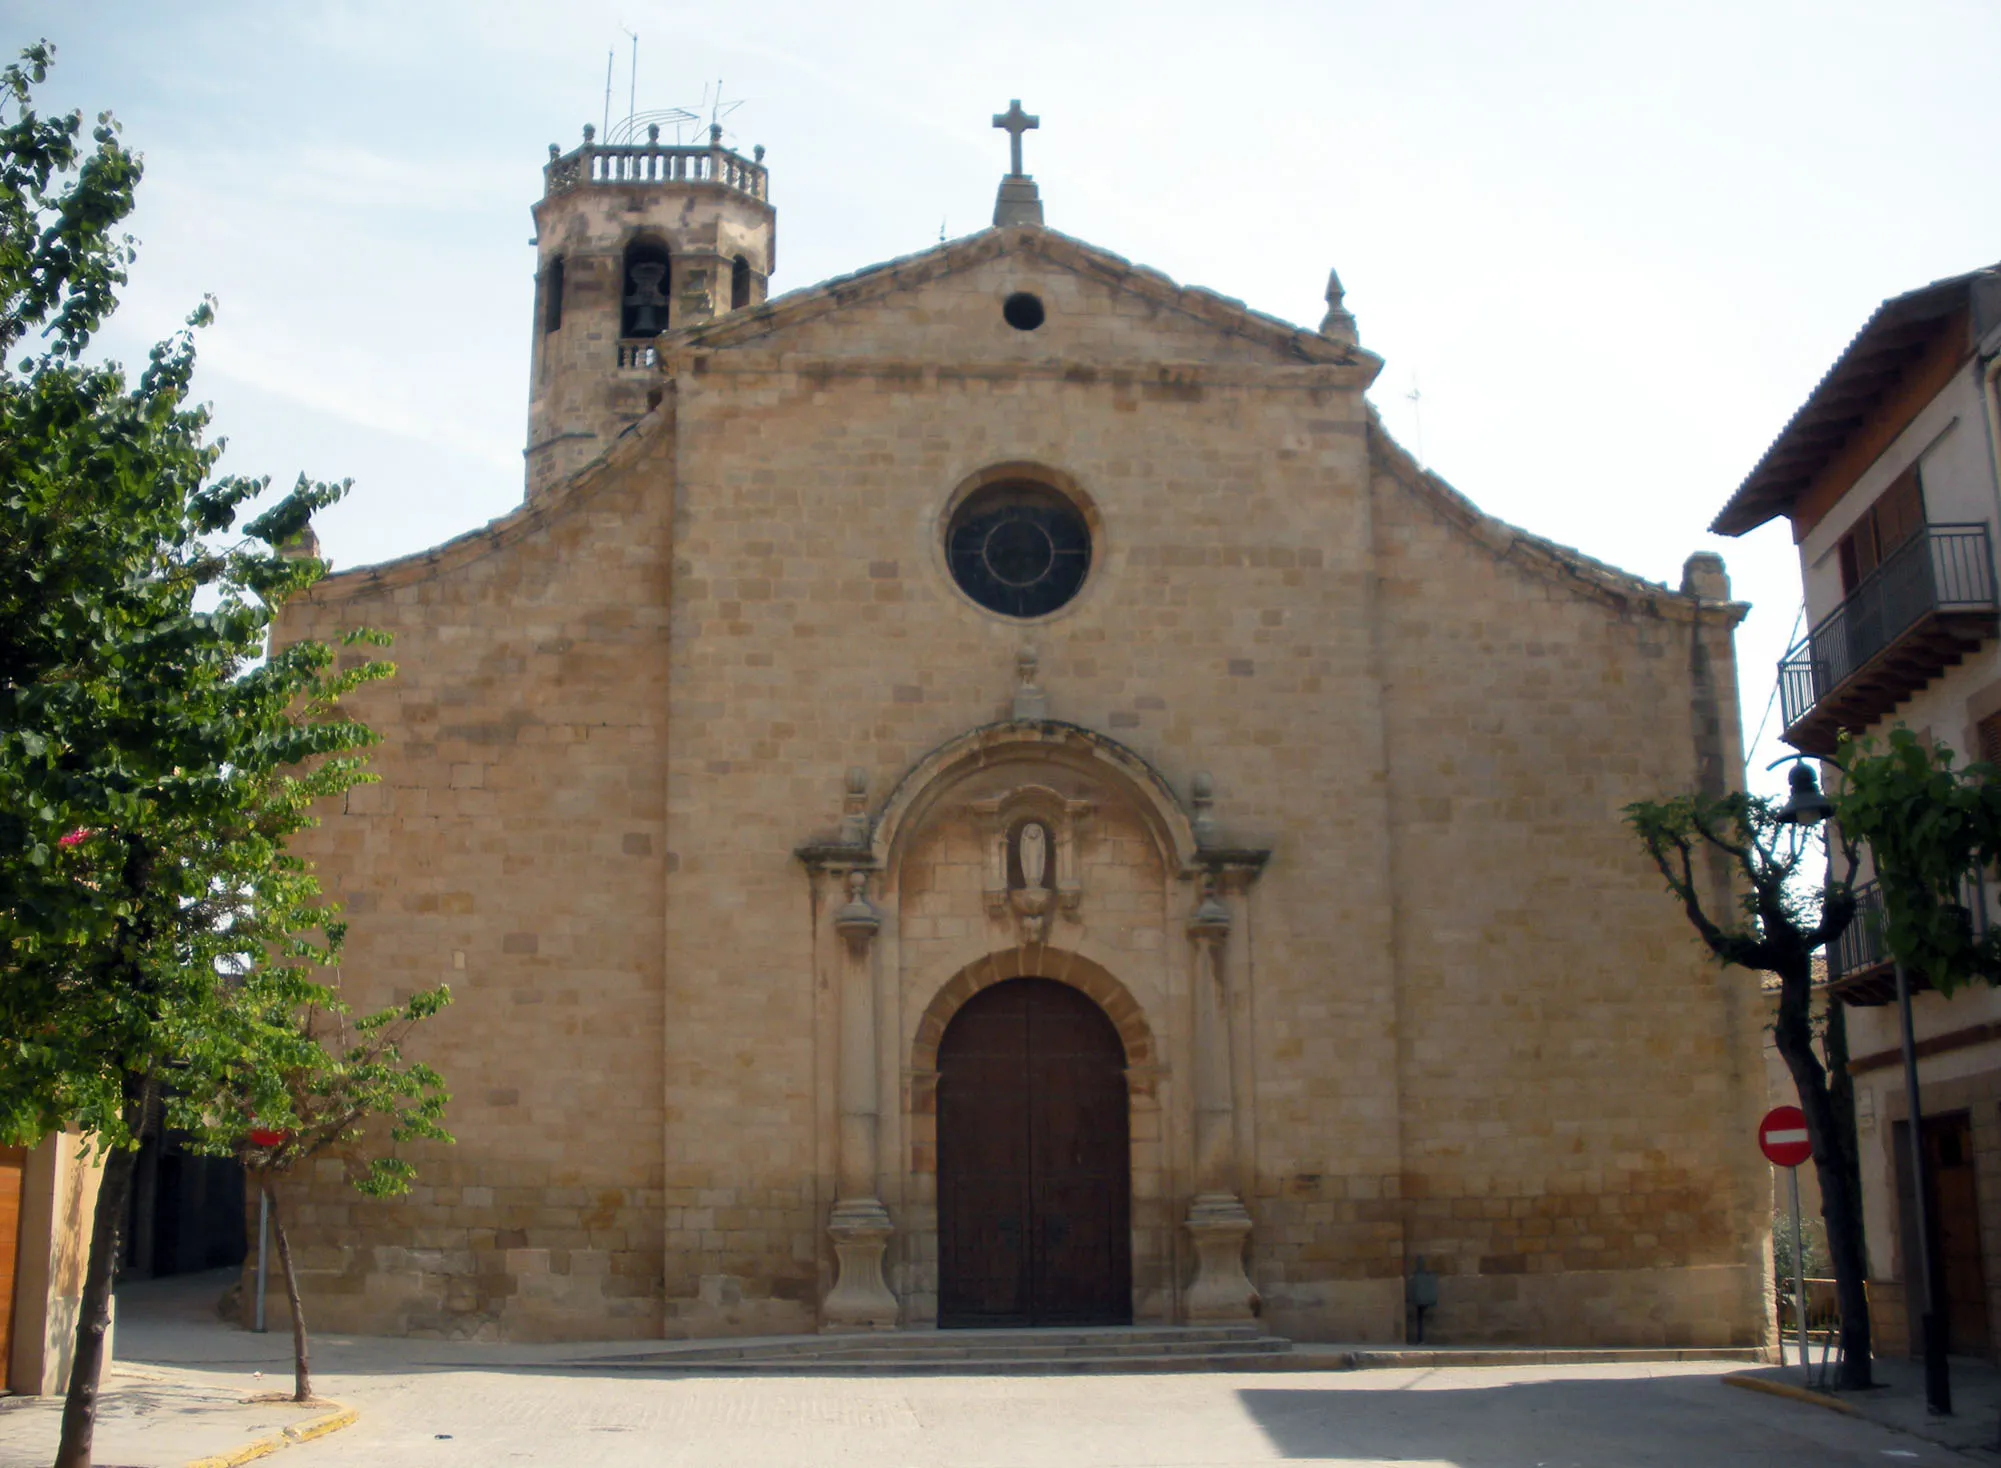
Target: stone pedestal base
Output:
[(1219, 1225), (1018, 202), (860, 1298)]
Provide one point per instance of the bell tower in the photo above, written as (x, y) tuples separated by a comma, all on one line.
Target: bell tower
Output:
[(632, 240)]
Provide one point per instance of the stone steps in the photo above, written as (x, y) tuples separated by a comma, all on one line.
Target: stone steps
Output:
[(974, 1352)]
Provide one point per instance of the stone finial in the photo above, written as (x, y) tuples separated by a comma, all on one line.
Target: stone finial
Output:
[(1339, 322), (715, 135), (1202, 795), (589, 133), (854, 808), (554, 152), (1031, 704), (856, 920), (1211, 919), (652, 132), (1702, 575), (305, 546), (757, 154)]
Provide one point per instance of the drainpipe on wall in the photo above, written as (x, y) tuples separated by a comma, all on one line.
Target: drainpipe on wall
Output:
[(1990, 399)]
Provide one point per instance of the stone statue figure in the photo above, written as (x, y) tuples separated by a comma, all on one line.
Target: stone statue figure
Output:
[(1034, 854)]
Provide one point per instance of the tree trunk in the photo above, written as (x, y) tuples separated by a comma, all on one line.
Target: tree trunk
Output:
[(302, 1374), (1836, 1166), (107, 1227)]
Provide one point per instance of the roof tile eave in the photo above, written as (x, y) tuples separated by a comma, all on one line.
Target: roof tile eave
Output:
[(1753, 504)]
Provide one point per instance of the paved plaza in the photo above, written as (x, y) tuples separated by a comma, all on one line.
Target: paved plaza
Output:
[(182, 1376), (1468, 1417)]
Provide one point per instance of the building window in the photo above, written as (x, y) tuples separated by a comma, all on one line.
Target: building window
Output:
[(1897, 515), (739, 283), (552, 295), (648, 279), (1019, 548), (1987, 734)]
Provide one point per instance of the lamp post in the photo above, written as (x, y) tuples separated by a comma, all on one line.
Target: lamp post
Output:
[(1806, 805)]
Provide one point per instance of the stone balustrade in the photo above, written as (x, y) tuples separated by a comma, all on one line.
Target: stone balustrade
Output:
[(653, 162)]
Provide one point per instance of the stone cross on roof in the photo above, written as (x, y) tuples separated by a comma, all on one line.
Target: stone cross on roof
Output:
[(1016, 122)]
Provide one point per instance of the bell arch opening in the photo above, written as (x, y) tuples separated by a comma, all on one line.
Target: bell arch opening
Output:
[(647, 279)]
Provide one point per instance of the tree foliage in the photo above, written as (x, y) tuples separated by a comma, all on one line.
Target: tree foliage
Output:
[(1930, 829), (1705, 846), (156, 938), (339, 1085)]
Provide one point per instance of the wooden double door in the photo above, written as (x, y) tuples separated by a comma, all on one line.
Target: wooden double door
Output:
[(1034, 1162)]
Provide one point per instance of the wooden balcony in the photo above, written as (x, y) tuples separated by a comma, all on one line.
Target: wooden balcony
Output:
[(1920, 612)]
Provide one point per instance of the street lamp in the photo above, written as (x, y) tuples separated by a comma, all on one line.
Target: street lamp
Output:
[(1807, 806)]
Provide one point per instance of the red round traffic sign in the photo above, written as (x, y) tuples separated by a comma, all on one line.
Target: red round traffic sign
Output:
[(1782, 1137)]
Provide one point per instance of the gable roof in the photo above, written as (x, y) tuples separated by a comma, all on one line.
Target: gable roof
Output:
[(1226, 314), (1890, 341)]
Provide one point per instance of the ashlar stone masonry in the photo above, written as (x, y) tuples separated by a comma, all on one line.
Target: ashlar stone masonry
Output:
[(1259, 900)]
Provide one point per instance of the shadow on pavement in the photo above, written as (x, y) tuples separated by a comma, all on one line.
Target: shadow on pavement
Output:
[(1414, 1419)]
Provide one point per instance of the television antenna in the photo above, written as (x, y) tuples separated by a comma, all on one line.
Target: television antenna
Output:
[(713, 104), (636, 126)]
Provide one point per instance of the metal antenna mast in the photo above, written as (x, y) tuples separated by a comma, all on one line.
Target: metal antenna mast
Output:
[(632, 97), (605, 128)]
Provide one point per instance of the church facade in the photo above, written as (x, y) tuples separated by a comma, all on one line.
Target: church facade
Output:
[(990, 792)]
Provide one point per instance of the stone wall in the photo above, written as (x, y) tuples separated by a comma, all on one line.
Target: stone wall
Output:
[(1463, 1020), (513, 849)]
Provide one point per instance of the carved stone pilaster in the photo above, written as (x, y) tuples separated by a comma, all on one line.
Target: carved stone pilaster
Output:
[(858, 1223), (860, 1298), (1219, 1224)]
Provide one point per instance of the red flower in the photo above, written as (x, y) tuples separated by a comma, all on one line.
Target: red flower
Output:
[(74, 838)]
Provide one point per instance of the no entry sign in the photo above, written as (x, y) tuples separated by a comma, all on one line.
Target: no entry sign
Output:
[(1782, 1137)]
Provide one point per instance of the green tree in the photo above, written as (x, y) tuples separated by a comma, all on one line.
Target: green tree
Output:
[(1739, 842), (1929, 828), (335, 1075), (153, 759)]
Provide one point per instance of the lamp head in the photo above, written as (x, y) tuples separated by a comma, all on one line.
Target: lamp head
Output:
[(1805, 806)]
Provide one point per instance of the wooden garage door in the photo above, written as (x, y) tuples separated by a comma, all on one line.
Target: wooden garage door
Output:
[(1034, 1162), (13, 1161)]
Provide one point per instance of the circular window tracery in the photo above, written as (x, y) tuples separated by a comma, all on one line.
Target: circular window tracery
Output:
[(1019, 548)]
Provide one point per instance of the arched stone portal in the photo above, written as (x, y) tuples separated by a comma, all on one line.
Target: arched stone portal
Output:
[(1042, 852), (1034, 1162), (1126, 1042)]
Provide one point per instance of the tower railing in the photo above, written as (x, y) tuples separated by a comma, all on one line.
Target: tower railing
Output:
[(653, 163)]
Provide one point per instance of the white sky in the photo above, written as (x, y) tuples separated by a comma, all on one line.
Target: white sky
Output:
[(1613, 244)]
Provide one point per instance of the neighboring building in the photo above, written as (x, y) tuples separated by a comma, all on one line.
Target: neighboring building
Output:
[(1890, 477), (990, 791), (48, 1193)]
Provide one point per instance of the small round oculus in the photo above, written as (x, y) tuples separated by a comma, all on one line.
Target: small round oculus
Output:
[(1019, 548), (1022, 311)]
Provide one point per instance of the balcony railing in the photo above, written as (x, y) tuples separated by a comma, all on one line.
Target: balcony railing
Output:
[(1929, 604), (1859, 967), (653, 163)]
